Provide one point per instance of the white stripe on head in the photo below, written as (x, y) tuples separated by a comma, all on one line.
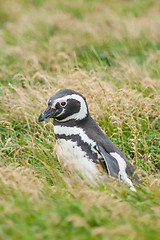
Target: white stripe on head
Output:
[(83, 107), (122, 170)]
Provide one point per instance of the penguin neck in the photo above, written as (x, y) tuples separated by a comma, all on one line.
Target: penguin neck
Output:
[(72, 122)]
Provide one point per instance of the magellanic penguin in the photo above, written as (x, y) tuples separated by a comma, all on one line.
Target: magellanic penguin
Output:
[(80, 143)]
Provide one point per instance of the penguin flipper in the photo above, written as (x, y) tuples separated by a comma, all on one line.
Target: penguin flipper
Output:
[(116, 166), (110, 162)]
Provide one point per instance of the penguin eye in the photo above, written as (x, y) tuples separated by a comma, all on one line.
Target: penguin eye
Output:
[(63, 104)]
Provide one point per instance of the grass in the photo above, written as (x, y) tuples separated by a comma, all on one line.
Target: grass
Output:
[(110, 52)]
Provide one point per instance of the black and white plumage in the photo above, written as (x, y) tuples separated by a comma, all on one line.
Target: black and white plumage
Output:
[(80, 143)]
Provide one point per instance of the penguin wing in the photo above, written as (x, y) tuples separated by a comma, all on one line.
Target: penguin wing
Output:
[(117, 164), (110, 162)]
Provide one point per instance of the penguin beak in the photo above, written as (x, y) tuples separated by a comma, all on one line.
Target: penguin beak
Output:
[(47, 113)]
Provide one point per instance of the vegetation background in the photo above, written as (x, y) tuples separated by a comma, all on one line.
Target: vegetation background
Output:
[(110, 52)]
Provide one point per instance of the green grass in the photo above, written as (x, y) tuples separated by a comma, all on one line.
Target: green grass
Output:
[(108, 51)]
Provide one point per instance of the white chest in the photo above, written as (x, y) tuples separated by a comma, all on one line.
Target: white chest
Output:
[(72, 157)]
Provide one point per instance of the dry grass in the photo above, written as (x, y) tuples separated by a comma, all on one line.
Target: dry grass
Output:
[(110, 53), (15, 178)]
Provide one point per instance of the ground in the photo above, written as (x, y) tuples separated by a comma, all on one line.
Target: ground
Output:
[(110, 52)]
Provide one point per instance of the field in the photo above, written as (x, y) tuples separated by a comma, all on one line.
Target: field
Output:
[(110, 52)]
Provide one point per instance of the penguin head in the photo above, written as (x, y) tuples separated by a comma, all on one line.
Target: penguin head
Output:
[(64, 105)]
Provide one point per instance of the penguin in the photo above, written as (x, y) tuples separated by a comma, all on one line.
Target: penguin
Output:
[(80, 143)]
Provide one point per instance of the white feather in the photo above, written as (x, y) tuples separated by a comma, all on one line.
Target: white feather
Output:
[(66, 153), (68, 131), (83, 107), (73, 157), (122, 170)]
